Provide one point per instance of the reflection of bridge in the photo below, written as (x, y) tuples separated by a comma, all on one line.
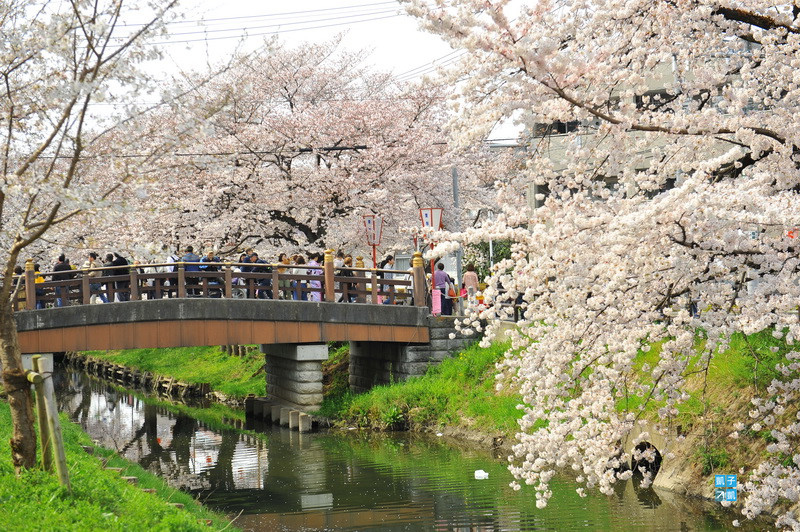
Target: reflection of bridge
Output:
[(387, 341)]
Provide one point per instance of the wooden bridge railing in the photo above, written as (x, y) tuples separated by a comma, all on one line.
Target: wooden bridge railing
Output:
[(223, 279)]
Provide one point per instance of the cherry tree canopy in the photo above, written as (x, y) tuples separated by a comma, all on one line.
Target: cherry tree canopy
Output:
[(671, 185), (303, 142), (64, 67)]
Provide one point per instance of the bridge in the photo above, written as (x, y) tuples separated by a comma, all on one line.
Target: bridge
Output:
[(198, 308)]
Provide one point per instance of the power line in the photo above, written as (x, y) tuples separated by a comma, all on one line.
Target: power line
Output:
[(276, 32), (432, 67), (281, 24), (268, 15), (428, 65)]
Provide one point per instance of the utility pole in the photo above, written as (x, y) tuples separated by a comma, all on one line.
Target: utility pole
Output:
[(460, 252)]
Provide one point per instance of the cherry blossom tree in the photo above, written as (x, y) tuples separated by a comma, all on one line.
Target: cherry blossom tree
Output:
[(304, 141), (69, 74), (662, 148)]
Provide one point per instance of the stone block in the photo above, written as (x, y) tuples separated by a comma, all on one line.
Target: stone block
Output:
[(440, 333), (277, 364), (294, 419), (287, 382), (300, 376), (298, 387), (419, 356), (413, 368), (258, 407), (304, 423), (284, 417), (275, 414), (300, 353), (266, 411), (438, 345), (304, 401)]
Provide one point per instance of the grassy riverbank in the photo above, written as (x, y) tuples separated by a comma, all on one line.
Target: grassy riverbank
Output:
[(457, 394), (231, 375), (100, 498)]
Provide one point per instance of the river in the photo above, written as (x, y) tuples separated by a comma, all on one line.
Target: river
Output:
[(282, 480)]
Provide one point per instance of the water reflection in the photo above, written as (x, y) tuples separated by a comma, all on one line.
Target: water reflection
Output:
[(283, 480)]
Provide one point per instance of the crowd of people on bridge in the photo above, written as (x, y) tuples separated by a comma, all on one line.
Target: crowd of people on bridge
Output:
[(116, 265)]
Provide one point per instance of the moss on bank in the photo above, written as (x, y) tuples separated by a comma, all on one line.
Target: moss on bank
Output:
[(100, 498)]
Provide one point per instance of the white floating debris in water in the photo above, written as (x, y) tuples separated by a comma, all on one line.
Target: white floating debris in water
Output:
[(480, 474), (351, 428), (439, 434)]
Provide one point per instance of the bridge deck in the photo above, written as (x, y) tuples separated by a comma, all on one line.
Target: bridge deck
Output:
[(184, 322)]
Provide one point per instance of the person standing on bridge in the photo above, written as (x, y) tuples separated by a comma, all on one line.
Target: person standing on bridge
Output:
[(257, 265), (348, 288), (192, 265), (300, 293), (215, 281), (315, 284), (244, 258), (441, 281), (387, 264), (123, 287), (62, 292), (92, 265), (285, 285)]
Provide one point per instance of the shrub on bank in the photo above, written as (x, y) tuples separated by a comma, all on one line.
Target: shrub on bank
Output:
[(100, 498)]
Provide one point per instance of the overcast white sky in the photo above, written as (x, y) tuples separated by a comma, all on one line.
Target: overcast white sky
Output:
[(213, 28)]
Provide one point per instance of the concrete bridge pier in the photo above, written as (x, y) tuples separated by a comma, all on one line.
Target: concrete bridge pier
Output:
[(374, 363), (294, 374)]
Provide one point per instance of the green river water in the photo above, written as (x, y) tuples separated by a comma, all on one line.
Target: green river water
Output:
[(282, 480)]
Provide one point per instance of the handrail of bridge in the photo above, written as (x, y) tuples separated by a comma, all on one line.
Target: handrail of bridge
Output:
[(223, 279)]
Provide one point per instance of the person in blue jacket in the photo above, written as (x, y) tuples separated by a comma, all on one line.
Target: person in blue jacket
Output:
[(192, 261)]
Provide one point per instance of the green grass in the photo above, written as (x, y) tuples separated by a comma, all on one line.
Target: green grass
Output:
[(748, 362), (231, 375), (458, 392), (712, 459), (100, 499)]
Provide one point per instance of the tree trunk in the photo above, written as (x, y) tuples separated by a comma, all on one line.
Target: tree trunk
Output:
[(23, 440)]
